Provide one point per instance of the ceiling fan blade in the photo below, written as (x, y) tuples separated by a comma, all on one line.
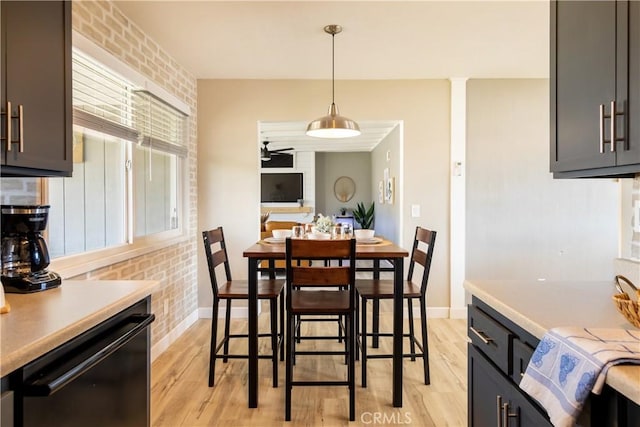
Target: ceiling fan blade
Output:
[(279, 150)]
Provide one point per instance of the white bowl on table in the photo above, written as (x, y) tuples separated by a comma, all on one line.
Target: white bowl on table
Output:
[(364, 234), (281, 234)]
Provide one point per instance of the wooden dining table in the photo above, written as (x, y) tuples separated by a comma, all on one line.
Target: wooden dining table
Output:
[(380, 250)]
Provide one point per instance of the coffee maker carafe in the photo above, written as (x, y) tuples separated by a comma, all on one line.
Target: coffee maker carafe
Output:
[(25, 257)]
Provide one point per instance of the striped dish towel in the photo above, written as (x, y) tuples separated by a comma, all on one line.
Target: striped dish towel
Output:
[(571, 362)]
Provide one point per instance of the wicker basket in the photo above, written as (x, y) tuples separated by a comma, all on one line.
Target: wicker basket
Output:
[(629, 308)]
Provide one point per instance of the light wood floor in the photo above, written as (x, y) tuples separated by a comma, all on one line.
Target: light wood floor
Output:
[(180, 395)]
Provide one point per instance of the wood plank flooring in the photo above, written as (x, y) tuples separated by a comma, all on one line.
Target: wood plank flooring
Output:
[(180, 396)]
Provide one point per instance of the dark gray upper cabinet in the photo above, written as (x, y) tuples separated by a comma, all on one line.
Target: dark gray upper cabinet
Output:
[(36, 83), (594, 68)]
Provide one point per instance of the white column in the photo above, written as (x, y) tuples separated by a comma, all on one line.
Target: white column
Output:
[(457, 307)]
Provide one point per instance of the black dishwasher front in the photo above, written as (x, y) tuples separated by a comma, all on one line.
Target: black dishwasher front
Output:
[(98, 379)]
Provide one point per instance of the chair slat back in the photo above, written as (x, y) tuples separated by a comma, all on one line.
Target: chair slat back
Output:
[(320, 276), (419, 256), (216, 254), (319, 249), (321, 273)]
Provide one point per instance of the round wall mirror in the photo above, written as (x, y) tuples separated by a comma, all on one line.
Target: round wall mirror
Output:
[(344, 188)]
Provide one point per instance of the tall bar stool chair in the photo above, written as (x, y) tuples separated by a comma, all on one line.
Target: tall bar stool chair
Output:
[(229, 290), (379, 289), (316, 290)]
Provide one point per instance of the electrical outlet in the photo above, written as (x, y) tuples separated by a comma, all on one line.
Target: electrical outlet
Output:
[(166, 306)]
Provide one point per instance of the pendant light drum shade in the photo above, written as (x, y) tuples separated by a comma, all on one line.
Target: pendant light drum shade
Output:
[(333, 125)]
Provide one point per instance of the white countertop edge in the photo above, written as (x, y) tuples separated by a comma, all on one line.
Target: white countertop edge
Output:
[(37, 348), (524, 322), (622, 378)]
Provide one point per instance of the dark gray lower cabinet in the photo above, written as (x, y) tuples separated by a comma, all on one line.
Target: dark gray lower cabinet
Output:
[(494, 400), (6, 409), (498, 354)]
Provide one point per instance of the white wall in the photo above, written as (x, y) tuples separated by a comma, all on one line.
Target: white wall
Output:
[(521, 223), (229, 112), (388, 220), (331, 166)]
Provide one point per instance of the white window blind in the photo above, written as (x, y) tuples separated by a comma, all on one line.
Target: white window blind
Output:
[(101, 99), (161, 126), (106, 102), (121, 135)]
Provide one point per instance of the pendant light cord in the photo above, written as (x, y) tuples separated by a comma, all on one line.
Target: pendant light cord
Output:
[(333, 68)]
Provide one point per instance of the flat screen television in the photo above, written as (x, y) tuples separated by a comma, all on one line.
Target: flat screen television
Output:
[(280, 187)]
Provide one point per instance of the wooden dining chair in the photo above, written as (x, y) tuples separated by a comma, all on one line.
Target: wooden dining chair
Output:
[(379, 289), (229, 290), (322, 288)]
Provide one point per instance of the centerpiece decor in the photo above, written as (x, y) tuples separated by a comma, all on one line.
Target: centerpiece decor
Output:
[(322, 227), (324, 224)]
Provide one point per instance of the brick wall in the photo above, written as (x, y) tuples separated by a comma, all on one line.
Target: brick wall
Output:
[(20, 191), (175, 267)]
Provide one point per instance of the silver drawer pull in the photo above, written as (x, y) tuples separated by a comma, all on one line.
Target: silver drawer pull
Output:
[(21, 128), (485, 339), (506, 415), (9, 131), (602, 116)]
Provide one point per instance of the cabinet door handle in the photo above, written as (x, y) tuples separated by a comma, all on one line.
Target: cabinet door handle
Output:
[(612, 124), (8, 127), (614, 133), (506, 415), (499, 411), (480, 334), (602, 141), (21, 128)]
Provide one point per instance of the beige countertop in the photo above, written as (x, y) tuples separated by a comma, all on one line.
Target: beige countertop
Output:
[(539, 306), (39, 322)]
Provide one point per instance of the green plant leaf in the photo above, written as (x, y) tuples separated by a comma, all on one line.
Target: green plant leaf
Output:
[(364, 216)]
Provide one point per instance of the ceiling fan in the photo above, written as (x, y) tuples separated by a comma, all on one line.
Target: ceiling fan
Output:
[(265, 153)]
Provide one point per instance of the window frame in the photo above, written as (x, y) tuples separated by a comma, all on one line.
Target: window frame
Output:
[(77, 264)]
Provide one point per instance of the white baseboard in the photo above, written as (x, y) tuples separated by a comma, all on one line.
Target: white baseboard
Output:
[(458, 313), (241, 312), (236, 312), (437, 312), (432, 312), (158, 348)]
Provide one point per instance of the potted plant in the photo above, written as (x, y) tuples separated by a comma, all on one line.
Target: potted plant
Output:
[(364, 217)]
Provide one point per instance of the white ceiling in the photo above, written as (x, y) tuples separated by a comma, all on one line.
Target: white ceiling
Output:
[(380, 40), (292, 134)]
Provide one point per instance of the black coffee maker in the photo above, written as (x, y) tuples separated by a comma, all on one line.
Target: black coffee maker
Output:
[(25, 257)]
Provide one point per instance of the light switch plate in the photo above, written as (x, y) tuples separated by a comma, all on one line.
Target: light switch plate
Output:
[(415, 211), (636, 216)]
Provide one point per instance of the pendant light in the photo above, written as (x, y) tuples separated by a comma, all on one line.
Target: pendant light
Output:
[(333, 125)]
